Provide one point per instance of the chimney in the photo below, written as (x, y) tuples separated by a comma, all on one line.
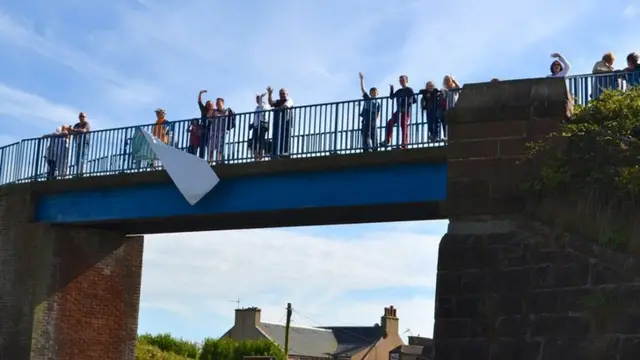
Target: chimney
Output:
[(247, 318), (389, 321)]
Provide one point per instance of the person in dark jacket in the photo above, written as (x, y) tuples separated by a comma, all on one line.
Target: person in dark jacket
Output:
[(405, 98), (633, 69), (282, 114), (207, 112), (429, 106), (370, 115)]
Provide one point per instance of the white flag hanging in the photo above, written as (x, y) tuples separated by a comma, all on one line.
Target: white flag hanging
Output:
[(193, 176)]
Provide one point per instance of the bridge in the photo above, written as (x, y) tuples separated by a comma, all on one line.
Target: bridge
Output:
[(72, 260)]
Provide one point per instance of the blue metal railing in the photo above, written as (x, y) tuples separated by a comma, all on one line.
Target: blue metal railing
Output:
[(315, 130), (310, 131), (585, 88)]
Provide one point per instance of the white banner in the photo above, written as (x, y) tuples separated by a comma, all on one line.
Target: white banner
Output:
[(193, 176)]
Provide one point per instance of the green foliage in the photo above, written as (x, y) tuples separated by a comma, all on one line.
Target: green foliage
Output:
[(148, 352), (228, 349), (600, 155), (167, 343)]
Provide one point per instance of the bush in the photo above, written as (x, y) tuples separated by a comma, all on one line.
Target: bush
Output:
[(148, 352), (228, 349), (601, 153), (599, 161), (165, 342)]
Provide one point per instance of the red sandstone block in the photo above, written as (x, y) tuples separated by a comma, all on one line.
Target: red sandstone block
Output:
[(483, 168), (477, 149), (468, 188), (487, 130), (512, 147)]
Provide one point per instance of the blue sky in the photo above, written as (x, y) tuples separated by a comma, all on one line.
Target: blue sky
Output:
[(119, 60)]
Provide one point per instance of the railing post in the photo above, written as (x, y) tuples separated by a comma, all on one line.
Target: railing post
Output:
[(36, 160), (335, 130)]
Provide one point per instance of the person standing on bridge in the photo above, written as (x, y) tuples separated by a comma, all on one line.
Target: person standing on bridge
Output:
[(370, 116), (281, 135), (57, 152), (223, 120), (430, 106), (207, 112), (259, 128), (80, 133), (159, 130), (559, 67), (405, 98)]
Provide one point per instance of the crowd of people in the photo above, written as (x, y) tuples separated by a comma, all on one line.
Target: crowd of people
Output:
[(206, 134)]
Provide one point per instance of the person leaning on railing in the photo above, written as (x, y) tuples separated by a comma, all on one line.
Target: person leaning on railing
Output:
[(430, 106), (57, 152), (448, 98), (80, 132), (605, 82), (632, 71), (281, 133)]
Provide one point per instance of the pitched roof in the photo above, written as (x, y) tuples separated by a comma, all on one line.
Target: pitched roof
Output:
[(322, 341), (303, 340)]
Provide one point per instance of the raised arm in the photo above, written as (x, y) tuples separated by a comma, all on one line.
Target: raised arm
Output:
[(566, 66), (270, 96), (392, 93), (200, 104), (362, 87)]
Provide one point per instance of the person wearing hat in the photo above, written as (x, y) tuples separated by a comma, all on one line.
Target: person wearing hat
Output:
[(159, 129)]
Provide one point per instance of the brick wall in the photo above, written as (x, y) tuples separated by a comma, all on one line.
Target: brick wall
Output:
[(511, 289), (66, 293)]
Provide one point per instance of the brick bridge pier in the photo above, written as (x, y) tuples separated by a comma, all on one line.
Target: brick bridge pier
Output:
[(505, 288)]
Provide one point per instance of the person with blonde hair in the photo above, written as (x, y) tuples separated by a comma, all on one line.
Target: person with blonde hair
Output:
[(605, 65), (604, 82)]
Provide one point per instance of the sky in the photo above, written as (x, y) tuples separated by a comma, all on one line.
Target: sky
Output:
[(118, 60)]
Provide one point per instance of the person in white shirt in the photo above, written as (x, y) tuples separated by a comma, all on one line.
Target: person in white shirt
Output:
[(559, 67), (57, 152), (259, 128)]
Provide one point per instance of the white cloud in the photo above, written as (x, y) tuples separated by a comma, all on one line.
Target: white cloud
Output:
[(630, 11), (196, 273), (159, 55), (28, 107)]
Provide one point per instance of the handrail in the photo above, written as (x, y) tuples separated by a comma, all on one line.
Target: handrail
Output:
[(309, 130)]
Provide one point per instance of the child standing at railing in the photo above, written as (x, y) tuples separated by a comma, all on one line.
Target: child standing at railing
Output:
[(195, 136), (370, 116), (259, 128)]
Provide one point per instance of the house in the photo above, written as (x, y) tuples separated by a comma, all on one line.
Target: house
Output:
[(326, 342), (419, 348)]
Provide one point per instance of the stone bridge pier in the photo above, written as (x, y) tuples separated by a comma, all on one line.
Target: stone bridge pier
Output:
[(509, 287)]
